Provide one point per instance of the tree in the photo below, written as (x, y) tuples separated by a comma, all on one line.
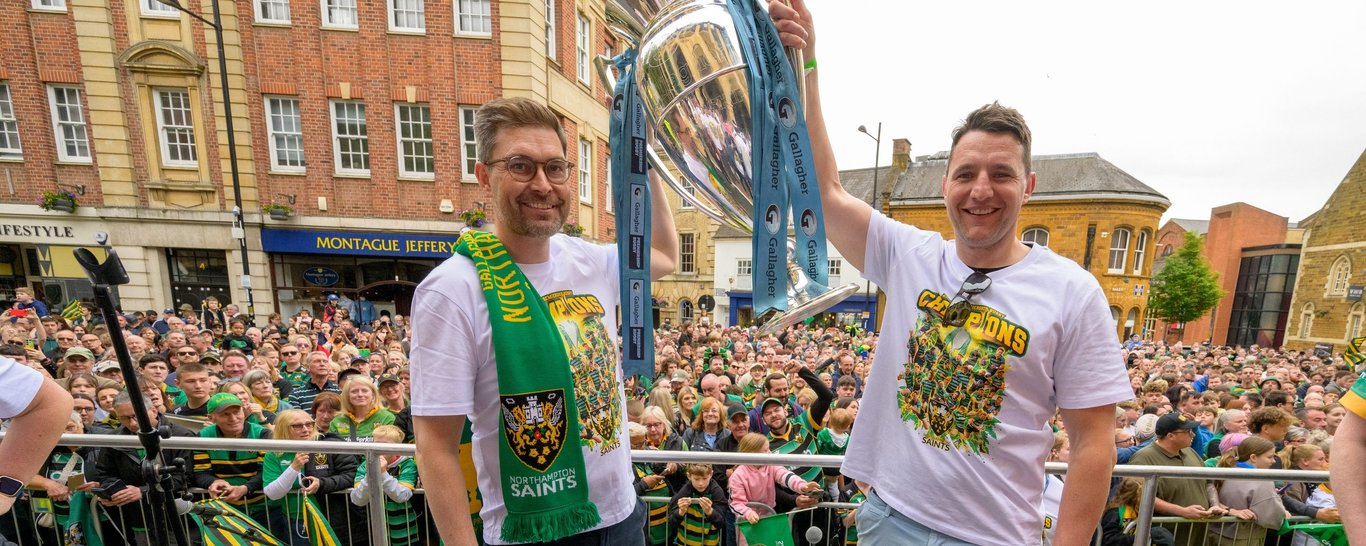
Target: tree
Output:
[(1186, 288)]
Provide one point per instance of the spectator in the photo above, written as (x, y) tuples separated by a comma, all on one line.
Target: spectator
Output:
[(315, 474), (84, 407), (1230, 421), (392, 394), (255, 413), (113, 466), (1254, 501), (154, 370), (262, 390), (319, 371), (237, 339), (695, 512), (399, 482), (198, 386), (232, 476), (775, 386), (51, 482), (325, 408), (649, 481), (235, 365), (660, 435), (756, 483), (361, 411), (1183, 498), (1295, 496), (1123, 509)]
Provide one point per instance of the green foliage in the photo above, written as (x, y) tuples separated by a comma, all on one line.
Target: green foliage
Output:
[(1186, 288)]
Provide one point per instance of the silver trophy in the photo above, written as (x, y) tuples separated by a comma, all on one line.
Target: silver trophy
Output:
[(692, 78)]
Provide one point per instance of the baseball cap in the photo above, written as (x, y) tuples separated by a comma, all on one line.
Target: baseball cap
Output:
[(1173, 422), (331, 296), (223, 400), (733, 409), (768, 401), (679, 375), (388, 378), (211, 356), (359, 359), (106, 366), (79, 351), (168, 311)]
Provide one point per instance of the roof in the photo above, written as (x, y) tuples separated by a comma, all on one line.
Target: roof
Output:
[(859, 182), (1059, 176), (1200, 227)]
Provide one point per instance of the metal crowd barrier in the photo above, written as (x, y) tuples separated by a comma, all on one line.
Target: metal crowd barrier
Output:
[(375, 523)]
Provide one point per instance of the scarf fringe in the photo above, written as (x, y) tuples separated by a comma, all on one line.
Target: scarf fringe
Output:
[(549, 525)]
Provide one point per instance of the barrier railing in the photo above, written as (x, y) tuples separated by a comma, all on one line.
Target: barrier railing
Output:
[(375, 506)]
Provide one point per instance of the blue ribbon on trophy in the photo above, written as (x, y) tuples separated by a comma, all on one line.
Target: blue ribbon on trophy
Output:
[(631, 195)]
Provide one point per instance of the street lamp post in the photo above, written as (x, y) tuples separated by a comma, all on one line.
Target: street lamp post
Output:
[(239, 222), (877, 156)]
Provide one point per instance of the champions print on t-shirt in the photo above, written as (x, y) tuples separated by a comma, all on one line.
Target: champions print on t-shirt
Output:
[(593, 359), (955, 376)]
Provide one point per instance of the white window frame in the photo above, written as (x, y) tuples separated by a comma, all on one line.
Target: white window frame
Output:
[(835, 266), (1307, 321), (156, 8), (392, 12), (1140, 251), (48, 5), (687, 253), (271, 133), (337, 139), (327, 21), (1123, 251), (585, 172), (550, 29), (744, 267), (1339, 276), (164, 130), (1355, 317), (80, 136), (261, 17), (484, 15), (399, 123), (610, 200), (1028, 238), (582, 48), (683, 203), (9, 125), (469, 147)]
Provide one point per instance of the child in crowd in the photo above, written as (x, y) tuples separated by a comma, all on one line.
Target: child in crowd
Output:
[(650, 482), (1253, 501), (832, 440), (695, 512), (1116, 523), (399, 482), (755, 483)]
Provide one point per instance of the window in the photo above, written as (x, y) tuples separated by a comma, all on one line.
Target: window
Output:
[(468, 147), (684, 203), (9, 126), (1036, 235), (175, 128), (350, 142), (339, 13), (684, 311), (286, 134), (272, 11), (415, 140), (581, 49), (68, 124), (407, 15), (157, 9), (1338, 275), (54, 5), (835, 267), (550, 29), (1307, 320), (744, 267), (585, 172), (1119, 249), (611, 197), (1355, 317), (1140, 250), (687, 253), (473, 17)]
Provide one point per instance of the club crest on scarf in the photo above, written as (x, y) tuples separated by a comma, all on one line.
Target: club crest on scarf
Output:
[(534, 424)]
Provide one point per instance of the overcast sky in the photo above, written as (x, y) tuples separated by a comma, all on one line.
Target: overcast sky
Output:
[(1207, 102)]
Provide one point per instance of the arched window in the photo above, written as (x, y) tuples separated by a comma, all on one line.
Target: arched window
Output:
[(1114, 313), (1130, 322), (684, 310), (1338, 275), (1307, 320), (1036, 235), (1119, 249), (1355, 318), (1140, 250)]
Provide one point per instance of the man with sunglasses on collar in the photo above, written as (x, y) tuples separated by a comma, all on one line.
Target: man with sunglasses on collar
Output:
[(985, 337)]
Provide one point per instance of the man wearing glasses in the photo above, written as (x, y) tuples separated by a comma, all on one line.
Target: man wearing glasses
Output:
[(455, 375), (292, 365), (985, 337)]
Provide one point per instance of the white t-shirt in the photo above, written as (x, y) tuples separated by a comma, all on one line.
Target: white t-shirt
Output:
[(454, 372), (969, 407), (19, 384)]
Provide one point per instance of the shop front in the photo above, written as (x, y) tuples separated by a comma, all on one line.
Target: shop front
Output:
[(379, 267), (39, 254), (856, 309)]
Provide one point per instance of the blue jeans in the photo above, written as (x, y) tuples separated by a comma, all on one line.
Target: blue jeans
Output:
[(627, 532), (880, 525)]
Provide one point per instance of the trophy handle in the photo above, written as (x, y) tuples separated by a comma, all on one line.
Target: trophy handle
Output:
[(603, 66)]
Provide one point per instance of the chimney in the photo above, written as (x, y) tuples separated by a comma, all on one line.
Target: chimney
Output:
[(901, 154)]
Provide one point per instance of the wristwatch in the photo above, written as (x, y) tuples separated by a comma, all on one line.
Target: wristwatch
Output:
[(10, 487)]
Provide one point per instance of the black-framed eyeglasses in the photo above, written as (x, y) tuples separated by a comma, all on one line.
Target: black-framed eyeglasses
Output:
[(523, 169), (959, 311)]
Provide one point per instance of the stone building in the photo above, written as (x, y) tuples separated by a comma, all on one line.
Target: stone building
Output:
[(1327, 309), (1083, 207)]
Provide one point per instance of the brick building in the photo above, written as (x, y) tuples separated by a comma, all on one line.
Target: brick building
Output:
[(1327, 309), (356, 117), (1083, 208)]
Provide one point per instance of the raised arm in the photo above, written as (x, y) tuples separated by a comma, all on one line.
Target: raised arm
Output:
[(663, 234), (846, 216)]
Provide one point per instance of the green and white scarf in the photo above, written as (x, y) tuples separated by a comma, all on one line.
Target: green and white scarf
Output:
[(545, 482)]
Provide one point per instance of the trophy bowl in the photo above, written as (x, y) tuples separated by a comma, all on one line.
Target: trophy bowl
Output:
[(694, 83)]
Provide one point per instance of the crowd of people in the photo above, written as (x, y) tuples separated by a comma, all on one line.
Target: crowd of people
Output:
[(720, 389)]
